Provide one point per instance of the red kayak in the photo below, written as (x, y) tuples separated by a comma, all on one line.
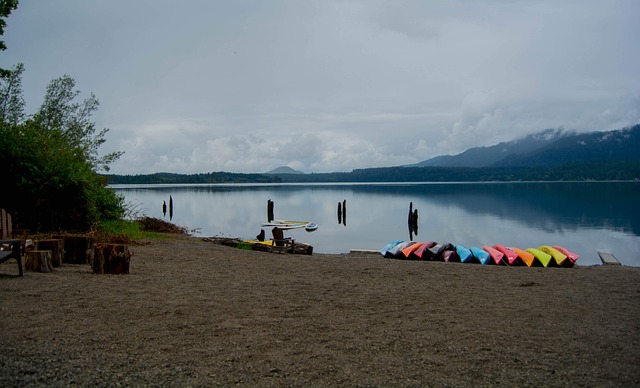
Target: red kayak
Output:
[(511, 256), (424, 247), (495, 254), (570, 255)]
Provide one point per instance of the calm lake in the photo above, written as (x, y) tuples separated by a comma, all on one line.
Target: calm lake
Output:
[(583, 216)]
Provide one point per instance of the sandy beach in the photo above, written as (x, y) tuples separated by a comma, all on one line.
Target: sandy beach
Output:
[(195, 313)]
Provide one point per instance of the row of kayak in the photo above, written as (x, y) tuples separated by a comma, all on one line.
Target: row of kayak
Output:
[(545, 255)]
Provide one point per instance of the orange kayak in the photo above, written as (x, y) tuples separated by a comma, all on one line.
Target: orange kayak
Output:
[(525, 256)]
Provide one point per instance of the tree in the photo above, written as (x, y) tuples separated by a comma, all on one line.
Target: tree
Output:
[(6, 6), (50, 160), (12, 108), (71, 121)]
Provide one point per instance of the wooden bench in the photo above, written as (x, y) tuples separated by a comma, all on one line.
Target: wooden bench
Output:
[(14, 253), (13, 248)]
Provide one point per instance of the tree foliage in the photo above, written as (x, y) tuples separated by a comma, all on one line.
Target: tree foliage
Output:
[(6, 6), (50, 159)]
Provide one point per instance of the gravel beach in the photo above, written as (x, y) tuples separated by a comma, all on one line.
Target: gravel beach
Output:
[(195, 313)]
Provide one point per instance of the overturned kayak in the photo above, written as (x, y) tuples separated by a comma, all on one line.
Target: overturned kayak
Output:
[(397, 250), (527, 257), (573, 257), (463, 253), (508, 253), (495, 254), (408, 251), (481, 255), (385, 250), (542, 257), (419, 253), (558, 256)]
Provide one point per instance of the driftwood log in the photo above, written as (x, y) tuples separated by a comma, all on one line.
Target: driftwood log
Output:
[(78, 249), (56, 246), (38, 261), (111, 259)]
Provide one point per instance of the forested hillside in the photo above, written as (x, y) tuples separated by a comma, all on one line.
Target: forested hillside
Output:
[(547, 148), (550, 155)]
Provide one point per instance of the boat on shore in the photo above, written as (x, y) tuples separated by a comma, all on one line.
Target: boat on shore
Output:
[(558, 256), (286, 225), (480, 254), (527, 257), (542, 257), (545, 255), (508, 253), (495, 254)]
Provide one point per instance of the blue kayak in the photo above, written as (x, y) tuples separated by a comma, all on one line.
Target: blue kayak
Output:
[(464, 253), (385, 251), (480, 254)]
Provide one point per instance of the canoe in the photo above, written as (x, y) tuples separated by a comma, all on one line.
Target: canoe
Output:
[(408, 251), (558, 256), (384, 251), (495, 254), (481, 255), (463, 253), (543, 258), (509, 254), (573, 257), (424, 247), (525, 256)]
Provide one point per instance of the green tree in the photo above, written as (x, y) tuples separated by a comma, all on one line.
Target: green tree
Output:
[(50, 160), (6, 6), (12, 108)]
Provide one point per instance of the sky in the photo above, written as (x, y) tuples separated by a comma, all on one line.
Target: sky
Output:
[(198, 86)]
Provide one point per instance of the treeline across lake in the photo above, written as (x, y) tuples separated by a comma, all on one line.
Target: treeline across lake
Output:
[(573, 171), (213, 177)]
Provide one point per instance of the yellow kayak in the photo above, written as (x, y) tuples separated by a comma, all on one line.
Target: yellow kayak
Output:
[(558, 256)]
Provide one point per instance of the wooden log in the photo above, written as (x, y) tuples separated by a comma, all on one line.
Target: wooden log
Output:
[(38, 261), (56, 246), (111, 259), (78, 249)]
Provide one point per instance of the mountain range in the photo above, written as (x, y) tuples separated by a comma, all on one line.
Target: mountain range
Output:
[(548, 148)]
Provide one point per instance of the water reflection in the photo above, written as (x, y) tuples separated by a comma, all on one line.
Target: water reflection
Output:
[(582, 216)]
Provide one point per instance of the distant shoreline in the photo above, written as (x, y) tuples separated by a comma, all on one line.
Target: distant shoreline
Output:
[(603, 171)]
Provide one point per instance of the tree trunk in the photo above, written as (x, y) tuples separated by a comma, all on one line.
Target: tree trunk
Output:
[(56, 246), (77, 249), (111, 259), (38, 261)]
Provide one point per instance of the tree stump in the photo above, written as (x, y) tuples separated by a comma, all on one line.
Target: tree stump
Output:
[(77, 249), (111, 259), (56, 246), (38, 261)]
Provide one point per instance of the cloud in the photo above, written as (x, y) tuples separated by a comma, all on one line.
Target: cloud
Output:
[(331, 85)]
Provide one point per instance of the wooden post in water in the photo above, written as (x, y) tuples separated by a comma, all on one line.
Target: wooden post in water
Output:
[(269, 210), (412, 221), (339, 213), (344, 212)]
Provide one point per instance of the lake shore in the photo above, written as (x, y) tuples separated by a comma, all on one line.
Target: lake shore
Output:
[(195, 313)]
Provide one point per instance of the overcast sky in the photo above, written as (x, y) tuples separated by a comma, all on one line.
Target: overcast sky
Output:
[(247, 86)]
